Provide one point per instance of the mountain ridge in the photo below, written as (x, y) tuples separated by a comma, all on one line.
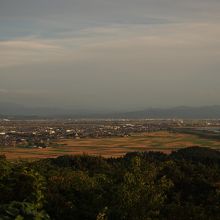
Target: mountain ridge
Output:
[(209, 112)]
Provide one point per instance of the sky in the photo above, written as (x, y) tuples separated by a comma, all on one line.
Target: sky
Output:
[(110, 54)]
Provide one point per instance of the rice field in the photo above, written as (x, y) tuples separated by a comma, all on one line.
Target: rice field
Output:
[(112, 147)]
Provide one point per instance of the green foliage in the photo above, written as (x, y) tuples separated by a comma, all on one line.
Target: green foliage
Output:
[(21, 192), (138, 186), (22, 211), (141, 195)]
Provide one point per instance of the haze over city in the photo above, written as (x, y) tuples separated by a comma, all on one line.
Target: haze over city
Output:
[(110, 55)]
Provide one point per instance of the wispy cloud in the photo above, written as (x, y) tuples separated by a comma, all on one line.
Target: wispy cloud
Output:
[(90, 42), (27, 51)]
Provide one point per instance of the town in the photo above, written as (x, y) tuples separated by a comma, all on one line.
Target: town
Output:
[(42, 133)]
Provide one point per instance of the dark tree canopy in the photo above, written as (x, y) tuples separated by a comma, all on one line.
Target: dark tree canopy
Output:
[(139, 186)]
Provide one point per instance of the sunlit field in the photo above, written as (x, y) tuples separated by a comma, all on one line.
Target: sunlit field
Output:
[(112, 147)]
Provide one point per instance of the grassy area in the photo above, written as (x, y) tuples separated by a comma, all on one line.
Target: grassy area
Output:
[(113, 147)]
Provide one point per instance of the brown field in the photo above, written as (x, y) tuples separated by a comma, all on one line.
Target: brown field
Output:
[(112, 147)]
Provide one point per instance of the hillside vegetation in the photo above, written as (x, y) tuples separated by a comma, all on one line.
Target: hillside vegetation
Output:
[(138, 186)]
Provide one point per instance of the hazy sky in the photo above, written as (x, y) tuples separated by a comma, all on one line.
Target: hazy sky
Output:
[(110, 54)]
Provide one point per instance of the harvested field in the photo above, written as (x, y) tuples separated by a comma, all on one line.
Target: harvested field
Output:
[(112, 147)]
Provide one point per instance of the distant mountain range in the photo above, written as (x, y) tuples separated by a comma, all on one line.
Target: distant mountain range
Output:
[(184, 112)]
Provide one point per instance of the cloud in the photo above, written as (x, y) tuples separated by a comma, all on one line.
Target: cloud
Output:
[(54, 17), (27, 51), (110, 53), (115, 41)]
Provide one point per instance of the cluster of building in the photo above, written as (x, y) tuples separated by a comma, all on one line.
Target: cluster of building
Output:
[(42, 133)]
